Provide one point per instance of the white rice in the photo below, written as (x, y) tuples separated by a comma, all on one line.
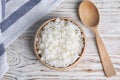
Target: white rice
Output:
[(61, 43)]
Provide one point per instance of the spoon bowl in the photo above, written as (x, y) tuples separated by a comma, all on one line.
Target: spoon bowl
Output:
[(89, 15)]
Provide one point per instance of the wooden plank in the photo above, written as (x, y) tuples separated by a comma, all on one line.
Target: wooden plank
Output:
[(22, 60), (24, 65)]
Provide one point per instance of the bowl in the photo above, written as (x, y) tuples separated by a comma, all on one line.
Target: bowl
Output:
[(36, 43)]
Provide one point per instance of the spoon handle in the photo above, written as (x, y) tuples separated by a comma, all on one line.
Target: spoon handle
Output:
[(105, 59)]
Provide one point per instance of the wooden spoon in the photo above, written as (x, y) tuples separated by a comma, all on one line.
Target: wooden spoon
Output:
[(89, 15)]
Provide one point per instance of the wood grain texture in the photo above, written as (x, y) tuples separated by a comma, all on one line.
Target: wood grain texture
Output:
[(25, 66)]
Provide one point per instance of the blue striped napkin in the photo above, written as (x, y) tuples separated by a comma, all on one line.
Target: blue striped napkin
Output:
[(25, 12)]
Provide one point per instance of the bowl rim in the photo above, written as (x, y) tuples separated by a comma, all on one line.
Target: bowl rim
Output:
[(36, 39)]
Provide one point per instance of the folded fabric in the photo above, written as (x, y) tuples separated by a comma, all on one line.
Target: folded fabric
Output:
[(25, 12)]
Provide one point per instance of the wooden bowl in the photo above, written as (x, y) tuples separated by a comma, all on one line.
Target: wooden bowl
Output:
[(36, 42)]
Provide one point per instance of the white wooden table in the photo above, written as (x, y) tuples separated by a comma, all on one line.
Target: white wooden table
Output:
[(25, 66)]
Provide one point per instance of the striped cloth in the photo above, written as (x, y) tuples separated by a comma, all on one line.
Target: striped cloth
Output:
[(16, 16)]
